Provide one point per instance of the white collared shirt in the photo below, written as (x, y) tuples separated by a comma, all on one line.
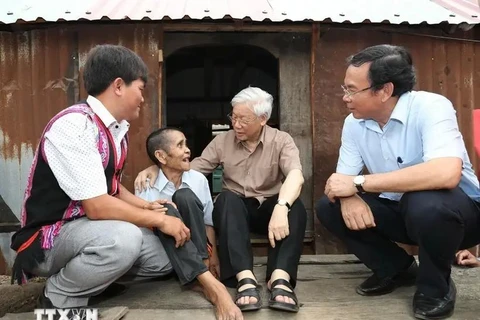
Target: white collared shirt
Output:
[(164, 189), (71, 151), (423, 126)]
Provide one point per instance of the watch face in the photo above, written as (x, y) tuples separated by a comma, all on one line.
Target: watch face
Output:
[(281, 202), (358, 180)]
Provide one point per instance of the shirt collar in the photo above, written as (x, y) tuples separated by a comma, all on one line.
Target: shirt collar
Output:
[(102, 112), (399, 113), (262, 136), (162, 180)]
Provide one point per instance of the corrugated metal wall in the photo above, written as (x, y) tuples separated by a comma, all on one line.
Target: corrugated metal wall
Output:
[(35, 82), (39, 76), (35, 78), (448, 67)]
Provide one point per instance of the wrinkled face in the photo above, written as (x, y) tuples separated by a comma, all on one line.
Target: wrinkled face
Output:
[(246, 124), (131, 97), (361, 101), (177, 157)]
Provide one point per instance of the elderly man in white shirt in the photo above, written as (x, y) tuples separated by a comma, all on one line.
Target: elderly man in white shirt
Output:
[(194, 180), (189, 192)]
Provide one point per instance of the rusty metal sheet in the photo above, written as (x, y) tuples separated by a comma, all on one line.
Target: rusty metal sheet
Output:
[(39, 76), (36, 75), (144, 40)]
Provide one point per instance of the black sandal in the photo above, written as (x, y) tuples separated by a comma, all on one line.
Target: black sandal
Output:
[(250, 292), (274, 292)]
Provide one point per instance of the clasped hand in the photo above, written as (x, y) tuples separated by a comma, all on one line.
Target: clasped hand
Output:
[(340, 186)]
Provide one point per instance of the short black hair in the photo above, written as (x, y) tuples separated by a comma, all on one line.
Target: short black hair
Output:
[(107, 62), (388, 64), (159, 140)]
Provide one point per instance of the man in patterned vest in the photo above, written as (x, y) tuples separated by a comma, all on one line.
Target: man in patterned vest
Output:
[(80, 227)]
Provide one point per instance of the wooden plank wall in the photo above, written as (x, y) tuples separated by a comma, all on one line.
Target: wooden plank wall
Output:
[(443, 66)]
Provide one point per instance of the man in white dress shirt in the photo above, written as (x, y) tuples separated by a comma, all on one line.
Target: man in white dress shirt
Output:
[(80, 227)]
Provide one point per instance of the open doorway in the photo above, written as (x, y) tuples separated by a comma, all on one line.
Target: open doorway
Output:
[(202, 80)]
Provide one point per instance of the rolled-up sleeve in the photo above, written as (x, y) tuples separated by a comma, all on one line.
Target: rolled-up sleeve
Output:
[(350, 160), (439, 129), (209, 159), (289, 156)]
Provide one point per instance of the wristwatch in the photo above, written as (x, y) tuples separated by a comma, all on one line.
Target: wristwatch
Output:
[(358, 182), (282, 202)]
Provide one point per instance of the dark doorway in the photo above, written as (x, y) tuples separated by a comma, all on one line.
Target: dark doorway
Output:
[(202, 80)]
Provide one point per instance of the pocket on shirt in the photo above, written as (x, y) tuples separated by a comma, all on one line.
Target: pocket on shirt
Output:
[(411, 161)]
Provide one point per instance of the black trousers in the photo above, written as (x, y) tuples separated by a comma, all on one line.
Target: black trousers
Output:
[(187, 260), (440, 222), (234, 217)]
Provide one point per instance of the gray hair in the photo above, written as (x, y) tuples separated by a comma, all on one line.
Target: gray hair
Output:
[(259, 100)]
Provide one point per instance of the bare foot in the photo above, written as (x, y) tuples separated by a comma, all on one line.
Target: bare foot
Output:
[(226, 309), (217, 294)]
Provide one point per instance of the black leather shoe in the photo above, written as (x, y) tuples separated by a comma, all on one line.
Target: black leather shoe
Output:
[(113, 290), (43, 302), (375, 286), (435, 308)]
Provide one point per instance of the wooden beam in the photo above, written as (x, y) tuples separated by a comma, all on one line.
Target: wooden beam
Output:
[(160, 78), (314, 43), (233, 27)]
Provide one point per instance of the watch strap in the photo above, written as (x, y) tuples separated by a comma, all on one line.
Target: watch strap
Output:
[(285, 204), (360, 188)]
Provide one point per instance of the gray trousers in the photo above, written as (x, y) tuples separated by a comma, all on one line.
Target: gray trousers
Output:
[(88, 255)]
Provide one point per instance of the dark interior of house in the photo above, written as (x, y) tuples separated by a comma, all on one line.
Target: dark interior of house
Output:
[(200, 83)]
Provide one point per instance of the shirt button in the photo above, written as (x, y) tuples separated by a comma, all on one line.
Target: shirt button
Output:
[(248, 172), (116, 126)]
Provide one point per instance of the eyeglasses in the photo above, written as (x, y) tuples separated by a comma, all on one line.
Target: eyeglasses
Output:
[(349, 93), (241, 121)]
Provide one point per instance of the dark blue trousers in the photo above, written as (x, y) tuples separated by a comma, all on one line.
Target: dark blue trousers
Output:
[(440, 222)]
